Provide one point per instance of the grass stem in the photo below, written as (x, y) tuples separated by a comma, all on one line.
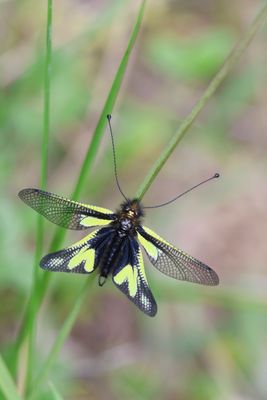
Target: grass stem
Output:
[(31, 327), (229, 63)]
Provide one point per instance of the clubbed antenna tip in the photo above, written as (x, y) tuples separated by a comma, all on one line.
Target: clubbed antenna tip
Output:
[(217, 175)]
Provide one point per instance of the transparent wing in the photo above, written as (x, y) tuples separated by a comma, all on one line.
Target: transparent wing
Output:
[(82, 257), (66, 213), (174, 262), (129, 276)]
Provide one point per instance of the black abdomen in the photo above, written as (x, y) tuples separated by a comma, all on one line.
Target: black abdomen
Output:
[(112, 254)]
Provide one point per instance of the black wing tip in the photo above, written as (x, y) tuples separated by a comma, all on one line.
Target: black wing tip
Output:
[(215, 279), (43, 263), (152, 313), (149, 311)]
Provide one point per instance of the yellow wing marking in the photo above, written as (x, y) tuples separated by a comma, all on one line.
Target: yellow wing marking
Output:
[(132, 274), (150, 248), (84, 254), (84, 240), (129, 274), (150, 232), (94, 221)]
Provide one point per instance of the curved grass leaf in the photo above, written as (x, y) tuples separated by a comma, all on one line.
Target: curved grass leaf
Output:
[(43, 182), (55, 393), (7, 385), (60, 339)]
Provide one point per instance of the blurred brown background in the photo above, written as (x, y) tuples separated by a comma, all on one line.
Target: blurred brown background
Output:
[(205, 343)]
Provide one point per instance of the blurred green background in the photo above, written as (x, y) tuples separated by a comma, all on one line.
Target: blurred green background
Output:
[(204, 343)]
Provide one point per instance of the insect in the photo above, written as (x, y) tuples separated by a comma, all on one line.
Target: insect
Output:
[(114, 248)]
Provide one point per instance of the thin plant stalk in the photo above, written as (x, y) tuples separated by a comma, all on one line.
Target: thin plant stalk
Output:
[(233, 57), (60, 339), (231, 60), (43, 183), (7, 385), (55, 393)]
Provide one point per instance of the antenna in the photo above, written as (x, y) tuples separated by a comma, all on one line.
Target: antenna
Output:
[(114, 156), (215, 176)]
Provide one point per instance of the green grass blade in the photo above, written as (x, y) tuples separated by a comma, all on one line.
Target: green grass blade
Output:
[(55, 393), (213, 86), (7, 385), (43, 183), (60, 339), (32, 305), (108, 107), (47, 85)]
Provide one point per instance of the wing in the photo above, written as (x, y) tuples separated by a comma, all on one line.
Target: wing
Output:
[(174, 262), (66, 213), (82, 257), (129, 276)]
